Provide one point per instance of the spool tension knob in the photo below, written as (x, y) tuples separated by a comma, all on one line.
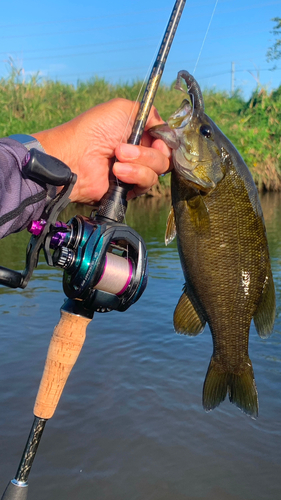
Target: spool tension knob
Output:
[(64, 257)]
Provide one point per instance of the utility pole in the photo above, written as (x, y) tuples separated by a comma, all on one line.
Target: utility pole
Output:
[(232, 77)]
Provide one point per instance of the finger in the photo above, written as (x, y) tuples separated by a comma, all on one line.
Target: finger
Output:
[(148, 141), (162, 146), (142, 177), (140, 155)]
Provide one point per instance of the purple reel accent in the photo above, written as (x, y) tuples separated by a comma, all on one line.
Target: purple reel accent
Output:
[(36, 227)]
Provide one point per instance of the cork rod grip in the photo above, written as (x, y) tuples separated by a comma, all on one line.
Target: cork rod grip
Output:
[(65, 346)]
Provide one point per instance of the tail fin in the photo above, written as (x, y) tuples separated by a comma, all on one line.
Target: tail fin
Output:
[(241, 388)]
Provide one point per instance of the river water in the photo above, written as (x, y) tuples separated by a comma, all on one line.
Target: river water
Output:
[(130, 425)]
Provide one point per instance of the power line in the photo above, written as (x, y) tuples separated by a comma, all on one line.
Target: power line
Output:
[(143, 68), (124, 13), (104, 44), (96, 28), (236, 71), (114, 26), (249, 7), (228, 27), (143, 46), (186, 62), (82, 19)]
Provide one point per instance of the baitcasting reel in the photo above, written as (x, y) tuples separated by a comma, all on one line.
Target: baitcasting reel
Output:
[(104, 261)]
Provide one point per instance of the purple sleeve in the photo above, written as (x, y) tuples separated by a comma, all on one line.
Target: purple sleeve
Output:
[(21, 199)]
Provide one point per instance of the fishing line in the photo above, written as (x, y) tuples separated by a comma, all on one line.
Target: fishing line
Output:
[(126, 127), (114, 201), (142, 85), (116, 276), (136, 102), (203, 43)]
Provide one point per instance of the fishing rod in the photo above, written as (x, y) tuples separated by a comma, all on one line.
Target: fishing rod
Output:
[(104, 262)]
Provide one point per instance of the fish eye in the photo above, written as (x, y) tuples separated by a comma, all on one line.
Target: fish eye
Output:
[(206, 130)]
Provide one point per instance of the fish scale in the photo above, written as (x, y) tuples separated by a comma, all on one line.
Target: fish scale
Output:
[(218, 283)]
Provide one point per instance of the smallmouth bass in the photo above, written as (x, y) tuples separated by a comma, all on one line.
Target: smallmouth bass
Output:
[(222, 244)]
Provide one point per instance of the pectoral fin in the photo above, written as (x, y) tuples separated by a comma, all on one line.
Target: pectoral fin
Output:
[(171, 230), (199, 214), (186, 318), (265, 313)]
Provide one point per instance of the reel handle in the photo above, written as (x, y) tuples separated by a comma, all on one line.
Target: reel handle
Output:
[(65, 346)]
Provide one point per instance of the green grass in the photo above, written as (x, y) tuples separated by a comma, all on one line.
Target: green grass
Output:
[(253, 126)]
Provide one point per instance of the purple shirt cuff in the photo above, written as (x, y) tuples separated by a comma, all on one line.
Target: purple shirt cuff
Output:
[(21, 199)]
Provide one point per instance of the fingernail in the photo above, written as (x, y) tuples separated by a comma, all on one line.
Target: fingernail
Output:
[(129, 151)]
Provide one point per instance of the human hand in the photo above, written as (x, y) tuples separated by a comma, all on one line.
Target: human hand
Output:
[(88, 143)]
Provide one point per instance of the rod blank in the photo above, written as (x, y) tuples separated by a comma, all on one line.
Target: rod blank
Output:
[(156, 73)]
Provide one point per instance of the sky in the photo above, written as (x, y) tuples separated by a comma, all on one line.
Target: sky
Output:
[(118, 40)]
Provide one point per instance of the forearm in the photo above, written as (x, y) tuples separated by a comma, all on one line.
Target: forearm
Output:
[(21, 200)]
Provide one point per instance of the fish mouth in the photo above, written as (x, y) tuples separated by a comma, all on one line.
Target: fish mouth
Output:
[(166, 134), (185, 163), (181, 117), (169, 132), (188, 165)]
